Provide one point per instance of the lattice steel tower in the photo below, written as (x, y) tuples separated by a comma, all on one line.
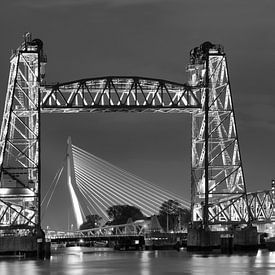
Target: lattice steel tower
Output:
[(217, 173), (19, 139)]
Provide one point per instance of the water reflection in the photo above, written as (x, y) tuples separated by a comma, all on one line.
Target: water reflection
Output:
[(82, 261), (145, 263), (265, 261)]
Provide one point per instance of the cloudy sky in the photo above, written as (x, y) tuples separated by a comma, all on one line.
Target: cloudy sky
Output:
[(152, 38)]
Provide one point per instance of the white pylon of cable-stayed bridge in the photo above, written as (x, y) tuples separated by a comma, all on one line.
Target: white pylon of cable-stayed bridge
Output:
[(71, 184)]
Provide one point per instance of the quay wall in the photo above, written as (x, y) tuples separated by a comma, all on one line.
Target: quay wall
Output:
[(244, 239), (18, 244)]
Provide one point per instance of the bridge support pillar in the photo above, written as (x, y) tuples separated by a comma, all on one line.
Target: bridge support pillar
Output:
[(18, 245), (201, 239), (246, 239), (43, 246), (32, 245), (243, 239)]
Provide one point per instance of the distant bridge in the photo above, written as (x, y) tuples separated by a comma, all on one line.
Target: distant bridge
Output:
[(138, 228), (134, 234)]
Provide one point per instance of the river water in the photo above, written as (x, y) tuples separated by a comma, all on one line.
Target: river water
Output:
[(82, 261)]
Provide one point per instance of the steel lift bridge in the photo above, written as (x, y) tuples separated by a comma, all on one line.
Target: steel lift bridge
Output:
[(219, 195)]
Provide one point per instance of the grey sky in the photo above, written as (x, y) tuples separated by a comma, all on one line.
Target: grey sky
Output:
[(89, 38)]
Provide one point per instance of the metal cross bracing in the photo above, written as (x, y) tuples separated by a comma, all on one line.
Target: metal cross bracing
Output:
[(216, 162), (137, 228), (256, 207), (119, 94), (19, 139), (262, 206)]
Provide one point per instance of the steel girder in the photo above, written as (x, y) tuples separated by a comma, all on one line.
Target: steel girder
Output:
[(19, 140), (137, 228), (129, 229), (262, 206), (255, 207), (119, 94), (216, 162)]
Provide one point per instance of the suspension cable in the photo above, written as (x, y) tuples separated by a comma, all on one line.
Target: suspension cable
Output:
[(121, 177)]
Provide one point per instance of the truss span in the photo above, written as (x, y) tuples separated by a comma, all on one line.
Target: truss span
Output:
[(120, 93), (256, 207)]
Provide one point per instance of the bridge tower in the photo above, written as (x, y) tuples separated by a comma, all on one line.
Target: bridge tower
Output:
[(71, 183), (20, 139), (217, 172)]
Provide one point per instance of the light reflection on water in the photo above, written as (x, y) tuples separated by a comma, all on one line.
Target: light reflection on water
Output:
[(82, 261)]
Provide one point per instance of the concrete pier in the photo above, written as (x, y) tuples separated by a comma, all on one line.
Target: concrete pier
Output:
[(246, 238), (242, 239), (33, 245), (200, 239), (18, 245)]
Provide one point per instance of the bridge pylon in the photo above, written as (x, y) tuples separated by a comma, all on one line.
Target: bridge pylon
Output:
[(217, 172), (20, 139), (72, 184)]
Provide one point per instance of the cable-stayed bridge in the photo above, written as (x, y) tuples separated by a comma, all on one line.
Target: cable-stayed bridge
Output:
[(101, 185), (110, 185), (219, 195)]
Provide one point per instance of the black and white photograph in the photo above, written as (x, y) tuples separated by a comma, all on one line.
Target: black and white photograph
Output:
[(137, 137)]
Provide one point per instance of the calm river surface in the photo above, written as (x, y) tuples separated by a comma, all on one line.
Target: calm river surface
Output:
[(82, 261)]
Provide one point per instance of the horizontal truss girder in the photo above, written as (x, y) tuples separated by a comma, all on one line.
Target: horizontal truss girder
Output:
[(129, 229), (233, 209), (120, 94)]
